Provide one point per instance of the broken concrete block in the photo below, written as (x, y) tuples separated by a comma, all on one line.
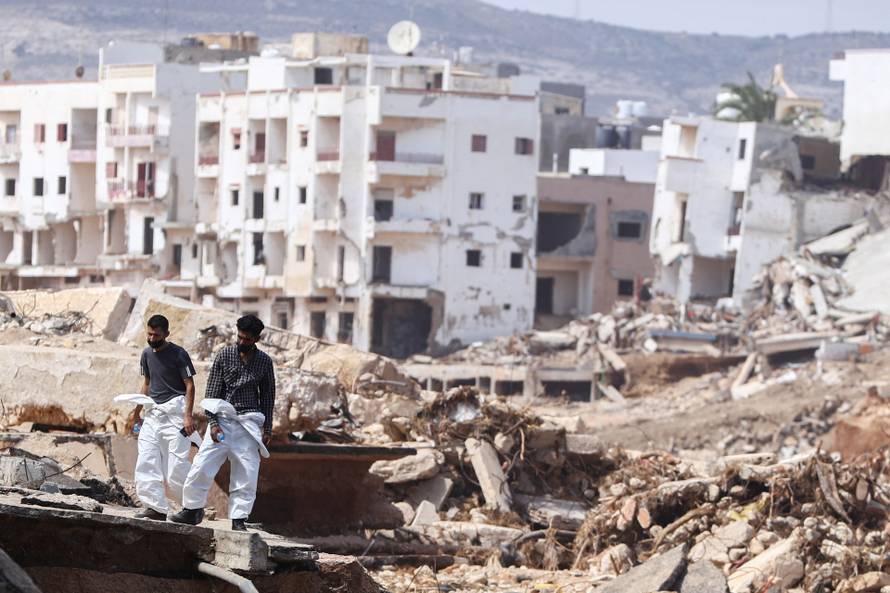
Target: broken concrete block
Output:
[(425, 514), (543, 341), (468, 533), (490, 475), (106, 309), (615, 560), (63, 501), (435, 490), (422, 466), (504, 443), (732, 535), (779, 566), (660, 573), (21, 471), (561, 514), (703, 577), (407, 511)]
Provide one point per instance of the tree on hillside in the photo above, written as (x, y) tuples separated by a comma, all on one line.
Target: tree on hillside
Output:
[(745, 102)]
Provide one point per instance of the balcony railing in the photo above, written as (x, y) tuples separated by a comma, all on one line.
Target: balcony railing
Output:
[(421, 158), (121, 190), (257, 157), (151, 130), (328, 155), (10, 152), (212, 159), (81, 142)]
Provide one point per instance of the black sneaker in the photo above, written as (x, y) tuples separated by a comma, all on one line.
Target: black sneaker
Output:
[(238, 525), (188, 516), (150, 513)]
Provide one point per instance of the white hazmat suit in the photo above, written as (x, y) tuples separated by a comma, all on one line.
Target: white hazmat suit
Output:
[(163, 460), (242, 445)]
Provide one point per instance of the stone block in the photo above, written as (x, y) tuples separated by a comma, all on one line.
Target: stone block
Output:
[(491, 477)]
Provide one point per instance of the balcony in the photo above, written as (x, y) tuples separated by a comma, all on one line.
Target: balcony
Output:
[(83, 150), (405, 164), (259, 276), (10, 153), (256, 163), (681, 174), (733, 239), (9, 205), (123, 191), (208, 165), (137, 136), (402, 226)]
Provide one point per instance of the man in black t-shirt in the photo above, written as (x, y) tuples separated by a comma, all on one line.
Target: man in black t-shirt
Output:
[(163, 461)]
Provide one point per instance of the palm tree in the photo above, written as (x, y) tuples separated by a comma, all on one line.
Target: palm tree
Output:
[(746, 102)]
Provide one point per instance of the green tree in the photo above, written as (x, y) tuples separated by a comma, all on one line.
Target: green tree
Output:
[(747, 102)]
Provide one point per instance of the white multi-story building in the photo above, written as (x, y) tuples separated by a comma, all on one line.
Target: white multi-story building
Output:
[(50, 225), (97, 176), (362, 198), (728, 200), (865, 139)]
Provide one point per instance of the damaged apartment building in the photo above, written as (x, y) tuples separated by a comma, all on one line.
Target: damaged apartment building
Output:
[(385, 201), (593, 229), (96, 175), (731, 197)]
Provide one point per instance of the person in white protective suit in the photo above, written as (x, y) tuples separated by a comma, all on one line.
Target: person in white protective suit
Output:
[(239, 400), (163, 447)]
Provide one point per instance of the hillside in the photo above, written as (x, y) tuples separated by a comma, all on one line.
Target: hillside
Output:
[(672, 71)]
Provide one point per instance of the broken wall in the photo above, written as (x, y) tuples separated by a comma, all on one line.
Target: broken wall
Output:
[(106, 308)]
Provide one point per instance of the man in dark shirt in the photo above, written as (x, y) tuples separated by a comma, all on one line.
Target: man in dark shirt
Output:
[(239, 400), (163, 449)]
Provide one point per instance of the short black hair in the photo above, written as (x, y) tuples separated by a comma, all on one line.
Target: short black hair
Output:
[(251, 324), (159, 322)]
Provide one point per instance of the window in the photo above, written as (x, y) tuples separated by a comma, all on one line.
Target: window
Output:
[(282, 319), (323, 76), (111, 170), (302, 197), (474, 258), (39, 133), (382, 264), (258, 257), (808, 162), (62, 185), (304, 138), (316, 324), (743, 148), (277, 194), (344, 328), (383, 210), (516, 260), (236, 139), (9, 188), (194, 251), (177, 255), (301, 253), (341, 262), (630, 230), (38, 186), (518, 203), (479, 143), (235, 193), (585, 171), (525, 146), (258, 204), (109, 115), (62, 133), (626, 288), (148, 235), (11, 135), (476, 201), (561, 111)]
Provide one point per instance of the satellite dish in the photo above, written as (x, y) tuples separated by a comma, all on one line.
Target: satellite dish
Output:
[(403, 37), (78, 72)]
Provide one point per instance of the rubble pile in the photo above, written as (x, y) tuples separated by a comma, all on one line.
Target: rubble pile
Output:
[(800, 294), (50, 325)]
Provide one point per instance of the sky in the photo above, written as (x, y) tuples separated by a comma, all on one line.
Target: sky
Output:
[(738, 17)]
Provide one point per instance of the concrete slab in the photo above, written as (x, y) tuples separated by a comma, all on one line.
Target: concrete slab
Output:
[(106, 308)]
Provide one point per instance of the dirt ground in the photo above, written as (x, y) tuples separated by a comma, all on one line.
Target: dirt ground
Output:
[(698, 412)]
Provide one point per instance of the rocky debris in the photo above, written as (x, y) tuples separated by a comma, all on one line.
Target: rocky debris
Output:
[(436, 490), (865, 428), (98, 312), (703, 577), (421, 466), (660, 573), (63, 501)]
